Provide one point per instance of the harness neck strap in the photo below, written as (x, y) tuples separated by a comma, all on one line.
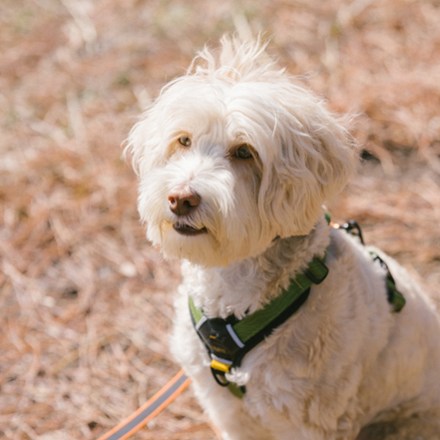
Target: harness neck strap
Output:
[(228, 340)]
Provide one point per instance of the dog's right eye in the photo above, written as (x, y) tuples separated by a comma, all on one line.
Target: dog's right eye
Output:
[(185, 141), (243, 152)]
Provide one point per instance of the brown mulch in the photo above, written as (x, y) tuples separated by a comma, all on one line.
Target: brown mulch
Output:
[(85, 302)]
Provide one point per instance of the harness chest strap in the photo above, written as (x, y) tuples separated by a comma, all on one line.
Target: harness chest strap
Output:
[(228, 340)]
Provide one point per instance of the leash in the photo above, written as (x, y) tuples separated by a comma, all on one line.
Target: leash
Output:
[(150, 409)]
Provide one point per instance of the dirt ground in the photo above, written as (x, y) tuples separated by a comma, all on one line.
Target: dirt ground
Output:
[(84, 300)]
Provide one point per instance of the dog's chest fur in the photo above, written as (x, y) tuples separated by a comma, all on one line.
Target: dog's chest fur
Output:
[(315, 373)]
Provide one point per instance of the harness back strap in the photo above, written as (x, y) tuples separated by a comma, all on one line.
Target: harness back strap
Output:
[(395, 298)]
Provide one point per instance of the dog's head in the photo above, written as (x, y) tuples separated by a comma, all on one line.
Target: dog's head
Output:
[(234, 154)]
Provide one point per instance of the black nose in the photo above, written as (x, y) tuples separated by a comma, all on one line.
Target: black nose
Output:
[(182, 203)]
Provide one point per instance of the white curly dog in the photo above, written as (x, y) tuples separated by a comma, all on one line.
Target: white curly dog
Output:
[(288, 327)]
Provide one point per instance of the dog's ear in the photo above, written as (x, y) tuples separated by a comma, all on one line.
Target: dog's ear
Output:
[(136, 144), (315, 159), (147, 140)]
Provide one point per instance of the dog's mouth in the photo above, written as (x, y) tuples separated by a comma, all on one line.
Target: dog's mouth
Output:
[(184, 229)]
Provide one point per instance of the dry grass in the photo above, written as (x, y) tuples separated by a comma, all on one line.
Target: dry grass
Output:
[(85, 302)]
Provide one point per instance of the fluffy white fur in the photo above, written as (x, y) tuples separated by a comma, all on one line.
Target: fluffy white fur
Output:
[(345, 360)]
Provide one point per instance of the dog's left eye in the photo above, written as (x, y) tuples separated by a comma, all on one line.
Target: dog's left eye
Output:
[(243, 152), (184, 141)]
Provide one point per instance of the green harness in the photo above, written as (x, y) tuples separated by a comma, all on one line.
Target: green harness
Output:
[(228, 340)]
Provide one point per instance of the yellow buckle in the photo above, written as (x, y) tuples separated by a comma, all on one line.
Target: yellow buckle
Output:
[(219, 366)]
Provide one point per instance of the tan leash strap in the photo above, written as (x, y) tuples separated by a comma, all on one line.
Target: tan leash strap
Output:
[(149, 409)]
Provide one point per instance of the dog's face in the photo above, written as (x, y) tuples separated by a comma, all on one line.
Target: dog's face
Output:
[(233, 155)]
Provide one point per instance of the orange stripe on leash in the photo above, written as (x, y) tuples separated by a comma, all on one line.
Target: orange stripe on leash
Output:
[(149, 409)]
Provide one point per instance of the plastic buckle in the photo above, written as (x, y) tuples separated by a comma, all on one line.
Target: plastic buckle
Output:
[(353, 228), (221, 340), (219, 370), (220, 366), (317, 271)]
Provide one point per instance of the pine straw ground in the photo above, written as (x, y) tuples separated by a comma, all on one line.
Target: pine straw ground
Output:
[(84, 300)]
